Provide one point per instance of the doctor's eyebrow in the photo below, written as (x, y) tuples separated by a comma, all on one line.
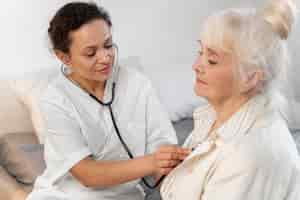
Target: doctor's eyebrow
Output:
[(106, 42)]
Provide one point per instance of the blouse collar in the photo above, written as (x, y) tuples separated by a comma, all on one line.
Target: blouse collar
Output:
[(239, 123)]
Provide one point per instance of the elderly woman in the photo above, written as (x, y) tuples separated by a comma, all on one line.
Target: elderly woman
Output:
[(243, 149)]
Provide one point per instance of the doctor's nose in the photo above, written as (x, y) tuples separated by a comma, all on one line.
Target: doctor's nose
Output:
[(105, 55)]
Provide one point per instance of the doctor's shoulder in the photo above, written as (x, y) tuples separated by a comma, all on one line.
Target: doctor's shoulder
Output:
[(55, 94)]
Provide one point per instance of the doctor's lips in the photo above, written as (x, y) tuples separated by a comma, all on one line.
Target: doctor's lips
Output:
[(105, 70)]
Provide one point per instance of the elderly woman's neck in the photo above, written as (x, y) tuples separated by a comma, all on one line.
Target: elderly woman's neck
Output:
[(225, 108)]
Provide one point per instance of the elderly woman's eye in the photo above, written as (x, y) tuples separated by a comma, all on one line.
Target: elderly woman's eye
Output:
[(108, 46), (200, 53)]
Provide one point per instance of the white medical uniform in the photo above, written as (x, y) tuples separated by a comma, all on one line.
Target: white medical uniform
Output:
[(78, 126), (253, 157)]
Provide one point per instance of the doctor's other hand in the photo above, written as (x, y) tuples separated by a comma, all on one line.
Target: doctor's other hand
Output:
[(168, 157)]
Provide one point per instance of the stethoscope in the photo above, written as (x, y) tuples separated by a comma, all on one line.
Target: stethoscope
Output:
[(109, 105)]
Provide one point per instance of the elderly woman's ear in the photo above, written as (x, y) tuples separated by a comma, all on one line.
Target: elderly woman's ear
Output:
[(253, 82)]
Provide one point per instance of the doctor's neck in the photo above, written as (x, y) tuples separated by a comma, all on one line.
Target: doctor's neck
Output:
[(93, 87)]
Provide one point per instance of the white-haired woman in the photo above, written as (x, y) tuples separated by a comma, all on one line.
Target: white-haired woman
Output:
[(243, 149)]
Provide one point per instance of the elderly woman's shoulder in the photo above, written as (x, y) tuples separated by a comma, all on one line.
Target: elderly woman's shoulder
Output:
[(266, 147)]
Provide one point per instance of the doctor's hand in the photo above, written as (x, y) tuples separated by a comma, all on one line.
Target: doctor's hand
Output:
[(167, 157)]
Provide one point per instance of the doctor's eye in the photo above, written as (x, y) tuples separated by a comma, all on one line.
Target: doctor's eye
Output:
[(211, 62), (91, 54)]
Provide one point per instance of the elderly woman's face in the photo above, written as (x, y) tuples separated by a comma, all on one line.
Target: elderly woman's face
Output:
[(215, 74), (91, 51)]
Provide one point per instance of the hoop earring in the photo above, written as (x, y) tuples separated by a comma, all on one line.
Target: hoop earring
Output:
[(65, 70)]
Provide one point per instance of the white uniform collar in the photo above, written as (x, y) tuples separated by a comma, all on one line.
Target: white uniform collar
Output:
[(77, 89)]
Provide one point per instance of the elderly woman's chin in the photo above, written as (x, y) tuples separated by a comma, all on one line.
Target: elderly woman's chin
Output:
[(201, 90)]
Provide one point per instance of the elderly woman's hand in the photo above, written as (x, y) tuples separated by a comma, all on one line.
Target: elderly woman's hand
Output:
[(167, 157)]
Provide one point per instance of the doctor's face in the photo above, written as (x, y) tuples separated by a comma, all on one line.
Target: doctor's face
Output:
[(91, 53), (215, 74)]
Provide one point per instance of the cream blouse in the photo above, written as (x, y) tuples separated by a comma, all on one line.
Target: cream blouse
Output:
[(253, 157)]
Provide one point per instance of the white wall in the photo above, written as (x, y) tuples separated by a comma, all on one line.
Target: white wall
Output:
[(24, 45), (162, 33)]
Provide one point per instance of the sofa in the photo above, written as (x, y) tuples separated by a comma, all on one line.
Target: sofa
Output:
[(21, 145)]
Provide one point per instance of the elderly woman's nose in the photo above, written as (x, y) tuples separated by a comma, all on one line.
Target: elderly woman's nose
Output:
[(197, 64)]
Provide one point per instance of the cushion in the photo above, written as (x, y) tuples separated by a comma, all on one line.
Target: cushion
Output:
[(29, 89), (10, 189), (296, 135), (22, 156), (14, 117), (183, 129)]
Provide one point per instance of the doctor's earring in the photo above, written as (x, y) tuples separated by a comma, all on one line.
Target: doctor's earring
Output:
[(65, 69)]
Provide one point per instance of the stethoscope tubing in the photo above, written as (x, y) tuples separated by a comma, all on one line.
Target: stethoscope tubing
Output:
[(125, 146)]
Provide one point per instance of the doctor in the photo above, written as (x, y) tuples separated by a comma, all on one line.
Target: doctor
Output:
[(99, 117)]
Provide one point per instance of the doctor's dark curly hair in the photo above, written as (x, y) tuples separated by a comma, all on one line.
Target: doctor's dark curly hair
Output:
[(70, 18)]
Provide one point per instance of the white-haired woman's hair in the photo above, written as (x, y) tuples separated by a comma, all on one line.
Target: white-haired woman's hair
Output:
[(256, 37)]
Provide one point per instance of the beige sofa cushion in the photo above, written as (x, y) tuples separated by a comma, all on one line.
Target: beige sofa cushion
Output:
[(22, 156), (10, 189), (29, 89), (14, 117)]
